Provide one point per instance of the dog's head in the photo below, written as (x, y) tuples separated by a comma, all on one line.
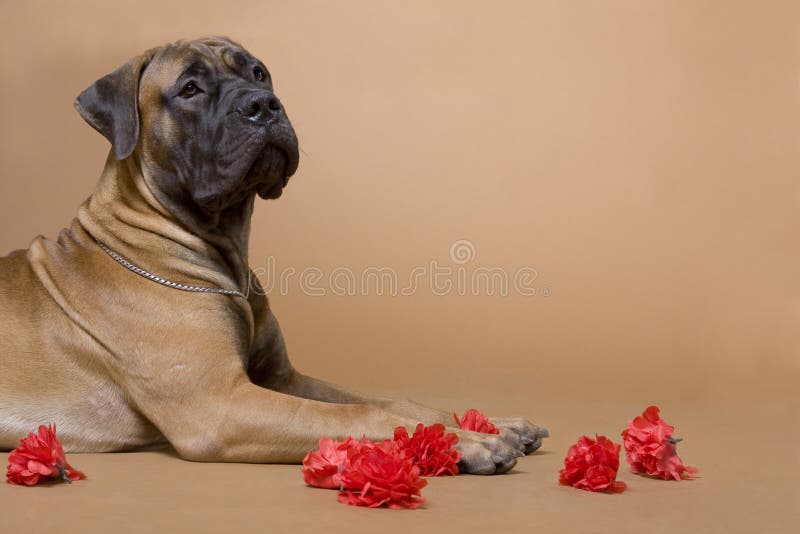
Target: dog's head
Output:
[(201, 116)]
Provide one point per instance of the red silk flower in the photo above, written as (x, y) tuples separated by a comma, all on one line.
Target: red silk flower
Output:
[(650, 447), (322, 468), (592, 465), (430, 449), (384, 474), (475, 421), (38, 458)]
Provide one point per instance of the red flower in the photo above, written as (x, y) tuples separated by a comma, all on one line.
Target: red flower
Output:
[(430, 449), (40, 457), (383, 474), (592, 465), (322, 468), (650, 447), (475, 421)]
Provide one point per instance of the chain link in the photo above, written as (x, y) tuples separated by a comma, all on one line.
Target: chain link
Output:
[(163, 281)]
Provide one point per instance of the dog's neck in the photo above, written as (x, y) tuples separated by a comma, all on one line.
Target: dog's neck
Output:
[(132, 216)]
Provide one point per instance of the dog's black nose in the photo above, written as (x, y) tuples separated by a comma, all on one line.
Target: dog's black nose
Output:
[(261, 107)]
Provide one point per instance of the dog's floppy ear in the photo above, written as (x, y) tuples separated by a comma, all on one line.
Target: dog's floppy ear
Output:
[(110, 105)]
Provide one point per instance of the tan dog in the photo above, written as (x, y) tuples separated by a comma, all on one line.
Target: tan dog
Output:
[(135, 328)]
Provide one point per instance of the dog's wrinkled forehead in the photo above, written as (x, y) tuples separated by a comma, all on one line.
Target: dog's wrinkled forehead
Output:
[(218, 57)]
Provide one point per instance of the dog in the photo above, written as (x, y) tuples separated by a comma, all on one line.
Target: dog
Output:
[(142, 325)]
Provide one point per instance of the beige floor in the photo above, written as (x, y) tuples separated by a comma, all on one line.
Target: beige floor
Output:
[(748, 462)]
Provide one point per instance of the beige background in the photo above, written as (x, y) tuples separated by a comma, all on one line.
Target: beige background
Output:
[(642, 156)]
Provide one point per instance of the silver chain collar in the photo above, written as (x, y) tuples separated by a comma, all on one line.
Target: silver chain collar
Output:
[(163, 281)]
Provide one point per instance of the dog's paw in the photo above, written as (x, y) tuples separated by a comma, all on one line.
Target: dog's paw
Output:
[(521, 433), (485, 454)]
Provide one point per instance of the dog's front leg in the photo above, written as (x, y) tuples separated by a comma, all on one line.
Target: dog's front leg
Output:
[(259, 425), (520, 433), (215, 414), (269, 367)]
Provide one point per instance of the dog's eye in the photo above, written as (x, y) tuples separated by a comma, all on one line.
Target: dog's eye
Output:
[(189, 90), (259, 73)]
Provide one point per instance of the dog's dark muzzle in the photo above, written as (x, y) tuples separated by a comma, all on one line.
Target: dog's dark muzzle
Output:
[(262, 109)]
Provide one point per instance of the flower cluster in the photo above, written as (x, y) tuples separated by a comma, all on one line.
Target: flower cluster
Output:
[(40, 457), (650, 447), (383, 473), (592, 465), (388, 473), (366, 473)]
